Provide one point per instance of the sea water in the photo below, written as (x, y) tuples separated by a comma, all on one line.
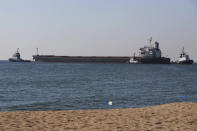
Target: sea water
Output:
[(65, 86)]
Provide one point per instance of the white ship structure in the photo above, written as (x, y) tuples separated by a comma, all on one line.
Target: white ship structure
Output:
[(184, 58)]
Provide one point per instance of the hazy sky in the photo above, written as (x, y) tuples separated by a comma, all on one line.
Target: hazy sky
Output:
[(96, 27)]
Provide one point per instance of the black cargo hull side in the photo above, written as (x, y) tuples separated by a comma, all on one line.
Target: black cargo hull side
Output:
[(162, 60), (187, 62), (81, 59)]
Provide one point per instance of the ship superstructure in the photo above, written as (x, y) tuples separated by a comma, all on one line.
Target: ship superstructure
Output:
[(151, 51), (16, 56)]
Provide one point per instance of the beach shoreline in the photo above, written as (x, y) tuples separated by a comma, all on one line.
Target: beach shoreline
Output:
[(174, 116)]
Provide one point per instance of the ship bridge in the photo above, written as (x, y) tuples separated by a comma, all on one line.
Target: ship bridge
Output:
[(152, 51)]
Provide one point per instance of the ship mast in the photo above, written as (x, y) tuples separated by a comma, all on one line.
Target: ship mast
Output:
[(183, 51), (37, 51), (150, 40), (17, 50)]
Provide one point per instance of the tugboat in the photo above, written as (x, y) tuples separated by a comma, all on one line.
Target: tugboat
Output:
[(17, 57), (184, 58), (150, 54)]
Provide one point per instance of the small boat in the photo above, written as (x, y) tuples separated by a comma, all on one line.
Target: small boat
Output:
[(184, 58), (16, 57), (133, 60)]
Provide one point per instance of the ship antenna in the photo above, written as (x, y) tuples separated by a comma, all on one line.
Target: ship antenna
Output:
[(17, 50), (37, 51), (183, 51)]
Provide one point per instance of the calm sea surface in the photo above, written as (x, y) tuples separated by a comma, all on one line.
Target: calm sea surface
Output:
[(60, 86)]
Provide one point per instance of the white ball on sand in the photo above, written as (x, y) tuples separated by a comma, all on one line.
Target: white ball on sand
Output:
[(110, 103)]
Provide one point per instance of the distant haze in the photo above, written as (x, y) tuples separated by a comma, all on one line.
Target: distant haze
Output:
[(97, 27)]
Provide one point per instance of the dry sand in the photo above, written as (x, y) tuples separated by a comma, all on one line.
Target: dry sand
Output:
[(175, 116)]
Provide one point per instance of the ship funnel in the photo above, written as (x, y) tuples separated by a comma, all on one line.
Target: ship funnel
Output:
[(156, 45)]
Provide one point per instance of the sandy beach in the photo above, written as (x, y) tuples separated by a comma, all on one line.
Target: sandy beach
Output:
[(175, 116)]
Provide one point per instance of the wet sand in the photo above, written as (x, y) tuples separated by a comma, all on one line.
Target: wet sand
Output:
[(175, 116)]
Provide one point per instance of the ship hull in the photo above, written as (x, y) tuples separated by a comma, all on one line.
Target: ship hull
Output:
[(161, 60), (186, 62), (14, 60), (80, 59)]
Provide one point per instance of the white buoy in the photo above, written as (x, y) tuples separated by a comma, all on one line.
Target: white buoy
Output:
[(110, 103)]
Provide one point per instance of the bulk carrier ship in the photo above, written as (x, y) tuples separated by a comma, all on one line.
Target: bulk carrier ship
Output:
[(148, 55)]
